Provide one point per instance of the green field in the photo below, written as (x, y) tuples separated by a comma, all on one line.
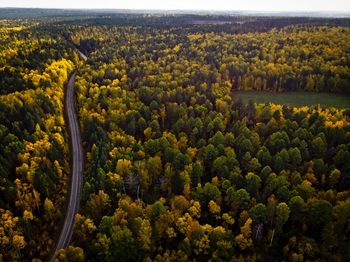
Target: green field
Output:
[(296, 99)]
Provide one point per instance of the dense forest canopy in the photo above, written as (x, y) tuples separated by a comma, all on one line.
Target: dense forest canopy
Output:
[(176, 168), (34, 159)]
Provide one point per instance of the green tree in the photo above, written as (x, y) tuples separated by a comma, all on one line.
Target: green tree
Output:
[(253, 184), (258, 213), (318, 147), (282, 215)]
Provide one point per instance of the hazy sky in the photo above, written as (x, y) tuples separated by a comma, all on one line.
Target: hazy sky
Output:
[(256, 5)]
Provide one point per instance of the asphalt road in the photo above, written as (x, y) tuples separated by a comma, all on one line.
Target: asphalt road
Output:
[(82, 56), (77, 171)]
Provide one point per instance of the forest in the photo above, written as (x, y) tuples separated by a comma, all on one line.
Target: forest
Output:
[(176, 168)]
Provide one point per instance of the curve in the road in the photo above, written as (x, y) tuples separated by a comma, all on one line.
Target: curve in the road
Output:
[(77, 172), (82, 56)]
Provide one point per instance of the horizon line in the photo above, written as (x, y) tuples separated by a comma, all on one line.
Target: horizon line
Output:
[(193, 10)]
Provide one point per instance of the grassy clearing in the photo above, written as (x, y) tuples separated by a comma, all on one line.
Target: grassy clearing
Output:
[(296, 99)]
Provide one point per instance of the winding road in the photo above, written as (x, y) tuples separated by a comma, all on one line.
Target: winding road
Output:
[(82, 56), (78, 164)]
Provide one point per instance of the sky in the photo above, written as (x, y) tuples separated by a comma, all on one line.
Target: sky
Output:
[(222, 5)]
